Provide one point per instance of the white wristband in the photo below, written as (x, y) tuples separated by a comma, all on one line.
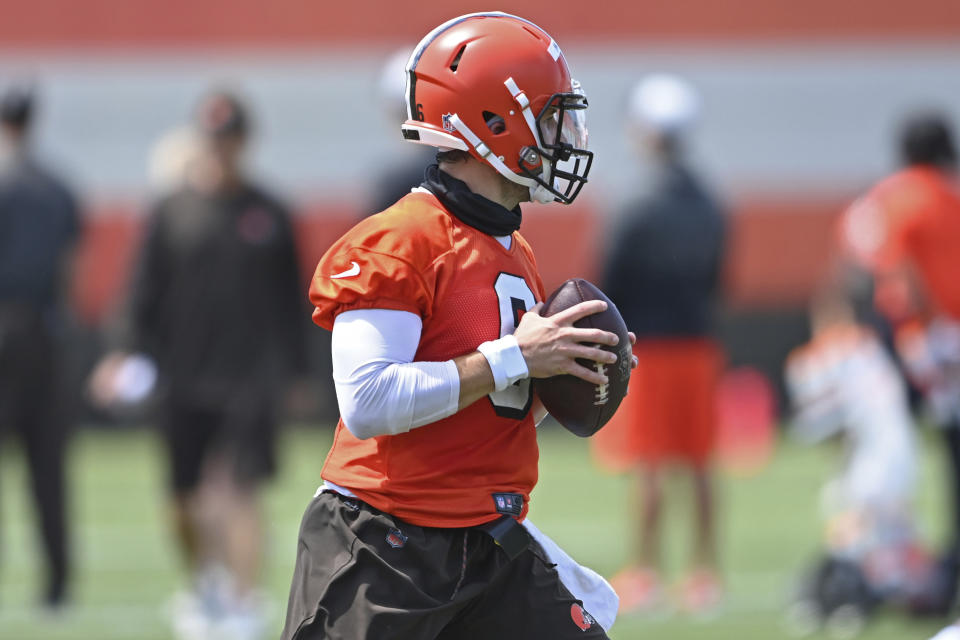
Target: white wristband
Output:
[(505, 360)]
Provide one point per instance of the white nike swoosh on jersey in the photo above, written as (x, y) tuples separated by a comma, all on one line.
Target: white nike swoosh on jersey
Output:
[(352, 271)]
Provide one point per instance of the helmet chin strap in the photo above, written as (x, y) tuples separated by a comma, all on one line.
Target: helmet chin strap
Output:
[(538, 192)]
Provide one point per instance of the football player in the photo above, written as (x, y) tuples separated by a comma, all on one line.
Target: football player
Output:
[(433, 305), (906, 231)]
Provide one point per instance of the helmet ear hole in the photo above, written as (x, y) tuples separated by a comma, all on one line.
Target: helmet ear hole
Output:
[(456, 59), (495, 123)]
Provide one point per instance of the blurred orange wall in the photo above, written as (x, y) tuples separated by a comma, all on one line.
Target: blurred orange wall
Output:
[(313, 23), (779, 250)]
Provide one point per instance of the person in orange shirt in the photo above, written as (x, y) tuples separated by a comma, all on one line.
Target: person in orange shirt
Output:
[(416, 531), (906, 229)]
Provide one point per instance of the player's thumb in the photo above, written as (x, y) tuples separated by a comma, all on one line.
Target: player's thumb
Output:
[(534, 311)]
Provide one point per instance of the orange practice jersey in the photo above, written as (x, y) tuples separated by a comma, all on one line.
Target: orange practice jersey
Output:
[(467, 289), (918, 213)]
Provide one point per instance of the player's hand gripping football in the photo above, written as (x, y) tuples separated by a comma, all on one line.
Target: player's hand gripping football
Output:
[(551, 345)]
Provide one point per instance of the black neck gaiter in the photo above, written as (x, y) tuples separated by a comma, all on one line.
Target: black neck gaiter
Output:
[(472, 209)]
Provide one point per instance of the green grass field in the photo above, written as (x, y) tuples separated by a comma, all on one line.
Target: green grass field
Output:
[(127, 567)]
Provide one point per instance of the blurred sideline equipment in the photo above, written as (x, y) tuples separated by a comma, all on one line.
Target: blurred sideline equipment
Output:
[(579, 406), (906, 229), (747, 417), (416, 530), (662, 272), (215, 304), (39, 226)]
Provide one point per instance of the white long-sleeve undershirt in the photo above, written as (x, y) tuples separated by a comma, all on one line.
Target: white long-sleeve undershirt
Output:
[(380, 390)]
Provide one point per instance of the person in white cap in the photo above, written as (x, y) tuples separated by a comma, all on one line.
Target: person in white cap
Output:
[(663, 108), (662, 271)]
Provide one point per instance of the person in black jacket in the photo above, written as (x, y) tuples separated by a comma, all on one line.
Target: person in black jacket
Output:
[(39, 226), (662, 271), (216, 303)]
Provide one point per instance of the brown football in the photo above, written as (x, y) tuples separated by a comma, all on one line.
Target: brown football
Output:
[(579, 406)]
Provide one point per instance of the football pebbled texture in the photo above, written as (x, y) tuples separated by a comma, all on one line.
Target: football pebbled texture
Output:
[(578, 405)]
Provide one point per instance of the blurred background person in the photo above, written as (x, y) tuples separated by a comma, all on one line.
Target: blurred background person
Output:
[(662, 272), (408, 160), (39, 226), (216, 301), (844, 385), (927, 178), (906, 229)]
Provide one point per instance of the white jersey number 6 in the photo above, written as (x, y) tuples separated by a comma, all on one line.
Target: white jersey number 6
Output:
[(515, 297)]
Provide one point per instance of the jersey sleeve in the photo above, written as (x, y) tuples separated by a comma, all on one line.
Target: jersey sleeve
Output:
[(382, 263)]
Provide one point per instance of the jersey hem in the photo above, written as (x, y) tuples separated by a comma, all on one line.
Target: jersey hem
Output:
[(444, 523)]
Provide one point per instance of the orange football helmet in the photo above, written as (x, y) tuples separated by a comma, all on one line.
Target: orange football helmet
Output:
[(498, 87)]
